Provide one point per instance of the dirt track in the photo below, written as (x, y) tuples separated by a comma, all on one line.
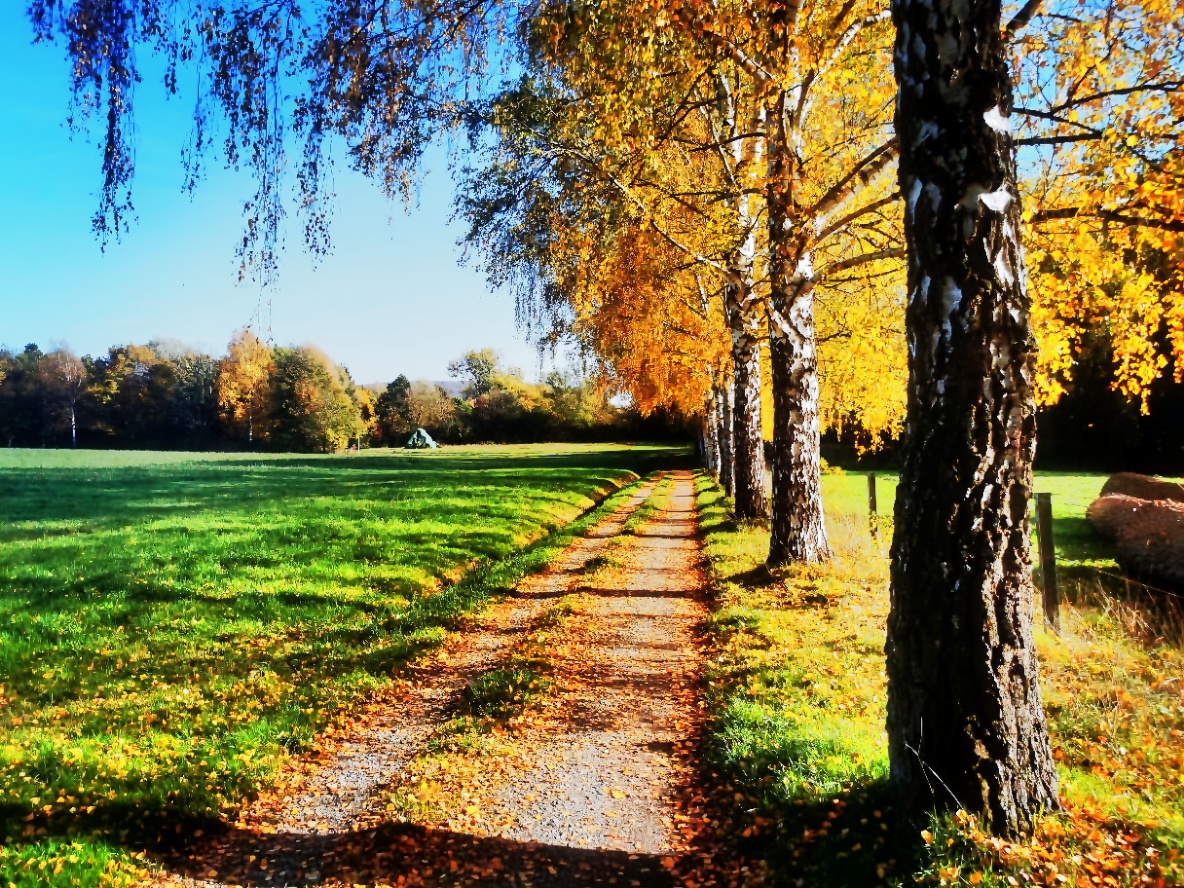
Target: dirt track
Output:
[(593, 782)]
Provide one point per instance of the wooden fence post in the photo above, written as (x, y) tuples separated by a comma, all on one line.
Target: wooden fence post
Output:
[(871, 504), (1048, 561)]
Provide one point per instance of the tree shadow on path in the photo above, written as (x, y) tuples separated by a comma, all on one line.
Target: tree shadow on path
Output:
[(410, 855)]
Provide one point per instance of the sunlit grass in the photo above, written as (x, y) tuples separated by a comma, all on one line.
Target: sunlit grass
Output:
[(797, 718), (172, 628)]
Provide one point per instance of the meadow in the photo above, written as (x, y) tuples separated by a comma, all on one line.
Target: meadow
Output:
[(797, 697), (173, 626)]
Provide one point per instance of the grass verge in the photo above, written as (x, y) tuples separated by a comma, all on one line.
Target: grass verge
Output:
[(796, 693)]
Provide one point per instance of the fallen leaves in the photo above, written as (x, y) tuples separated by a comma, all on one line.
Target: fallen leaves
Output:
[(480, 786)]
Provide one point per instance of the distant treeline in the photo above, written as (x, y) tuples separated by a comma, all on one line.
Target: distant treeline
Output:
[(164, 395)]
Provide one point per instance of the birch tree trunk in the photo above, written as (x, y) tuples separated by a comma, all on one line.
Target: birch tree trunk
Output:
[(966, 726), (711, 436), (726, 463), (797, 530), (748, 446)]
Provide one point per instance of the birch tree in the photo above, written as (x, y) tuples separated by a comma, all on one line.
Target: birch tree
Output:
[(966, 726), (66, 379)]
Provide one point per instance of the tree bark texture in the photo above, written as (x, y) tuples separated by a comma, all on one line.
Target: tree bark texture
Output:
[(744, 318), (723, 398), (798, 528), (966, 725), (711, 436)]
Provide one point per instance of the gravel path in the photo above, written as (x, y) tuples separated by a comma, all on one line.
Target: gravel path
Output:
[(604, 760), (590, 786)]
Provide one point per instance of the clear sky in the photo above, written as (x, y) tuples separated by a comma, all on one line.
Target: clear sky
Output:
[(391, 299)]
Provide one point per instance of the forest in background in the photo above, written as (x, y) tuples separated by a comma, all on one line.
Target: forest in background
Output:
[(164, 395)]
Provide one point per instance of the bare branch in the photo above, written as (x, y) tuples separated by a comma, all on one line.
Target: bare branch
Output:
[(1166, 86), (1059, 140)]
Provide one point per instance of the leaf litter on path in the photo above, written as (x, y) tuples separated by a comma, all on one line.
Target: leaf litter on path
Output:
[(554, 741)]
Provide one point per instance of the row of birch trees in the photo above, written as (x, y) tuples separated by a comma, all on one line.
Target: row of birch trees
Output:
[(876, 205)]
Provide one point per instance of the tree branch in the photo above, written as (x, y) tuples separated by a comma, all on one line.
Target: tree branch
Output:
[(863, 259), (1058, 140), (1176, 225), (862, 174), (1166, 86), (747, 63), (1021, 18), (846, 220)]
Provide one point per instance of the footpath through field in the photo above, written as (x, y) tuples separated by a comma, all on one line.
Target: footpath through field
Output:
[(553, 742)]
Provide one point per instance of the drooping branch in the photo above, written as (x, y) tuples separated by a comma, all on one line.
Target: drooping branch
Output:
[(648, 214), (706, 28)]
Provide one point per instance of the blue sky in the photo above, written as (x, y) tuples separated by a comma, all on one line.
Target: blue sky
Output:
[(391, 299)]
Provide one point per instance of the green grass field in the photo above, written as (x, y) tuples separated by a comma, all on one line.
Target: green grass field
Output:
[(172, 626), (797, 697), (1076, 544)]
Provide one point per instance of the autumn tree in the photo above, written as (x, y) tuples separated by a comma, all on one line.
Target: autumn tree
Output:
[(22, 404), (576, 402), (966, 727), (244, 385), (591, 264), (1098, 115), (477, 369), (716, 87), (634, 162), (65, 379), (311, 405), (593, 240), (132, 388), (430, 407), (810, 88), (392, 412), (1099, 118)]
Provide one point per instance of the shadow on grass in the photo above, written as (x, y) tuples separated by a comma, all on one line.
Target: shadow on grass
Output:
[(779, 801), (754, 577), (111, 497), (794, 737)]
